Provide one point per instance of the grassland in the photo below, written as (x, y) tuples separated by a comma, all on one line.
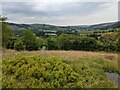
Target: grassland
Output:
[(66, 55), (92, 66)]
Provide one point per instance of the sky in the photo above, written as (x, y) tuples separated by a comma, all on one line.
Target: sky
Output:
[(60, 12)]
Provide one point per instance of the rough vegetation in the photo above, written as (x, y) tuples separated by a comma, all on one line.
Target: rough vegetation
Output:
[(38, 69), (38, 72)]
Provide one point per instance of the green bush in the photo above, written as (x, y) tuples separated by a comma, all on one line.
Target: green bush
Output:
[(40, 42), (52, 43), (38, 72), (110, 41), (79, 42), (18, 45), (29, 40)]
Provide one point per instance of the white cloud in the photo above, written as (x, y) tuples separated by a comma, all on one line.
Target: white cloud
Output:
[(46, 1), (61, 12)]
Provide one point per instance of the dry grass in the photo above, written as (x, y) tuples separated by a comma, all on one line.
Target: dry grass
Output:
[(67, 55)]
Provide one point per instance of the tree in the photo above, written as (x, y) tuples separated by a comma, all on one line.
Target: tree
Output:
[(63, 41), (66, 41), (29, 40), (77, 42), (41, 42), (19, 45), (110, 41), (87, 43), (52, 43), (7, 34), (40, 33)]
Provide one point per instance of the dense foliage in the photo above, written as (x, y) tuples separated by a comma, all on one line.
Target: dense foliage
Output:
[(77, 42), (39, 72), (19, 45), (110, 41), (29, 41), (7, 34)]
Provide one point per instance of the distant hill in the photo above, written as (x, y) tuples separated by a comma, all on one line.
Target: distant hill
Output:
[(17, 28), (105, 25)]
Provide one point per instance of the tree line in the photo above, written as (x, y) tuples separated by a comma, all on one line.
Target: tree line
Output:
[(28, 40)]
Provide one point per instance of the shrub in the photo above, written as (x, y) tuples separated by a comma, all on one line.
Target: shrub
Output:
[(52, 43), (40, 42), (18, 45), (38, 72), (29, 39)]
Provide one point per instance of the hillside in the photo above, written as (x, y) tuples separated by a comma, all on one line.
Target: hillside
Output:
[(17, 28)]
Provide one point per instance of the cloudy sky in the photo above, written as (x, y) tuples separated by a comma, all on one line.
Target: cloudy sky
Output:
[(60, 12)]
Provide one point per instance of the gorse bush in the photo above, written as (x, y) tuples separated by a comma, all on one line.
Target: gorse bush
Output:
[(39, 72)]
